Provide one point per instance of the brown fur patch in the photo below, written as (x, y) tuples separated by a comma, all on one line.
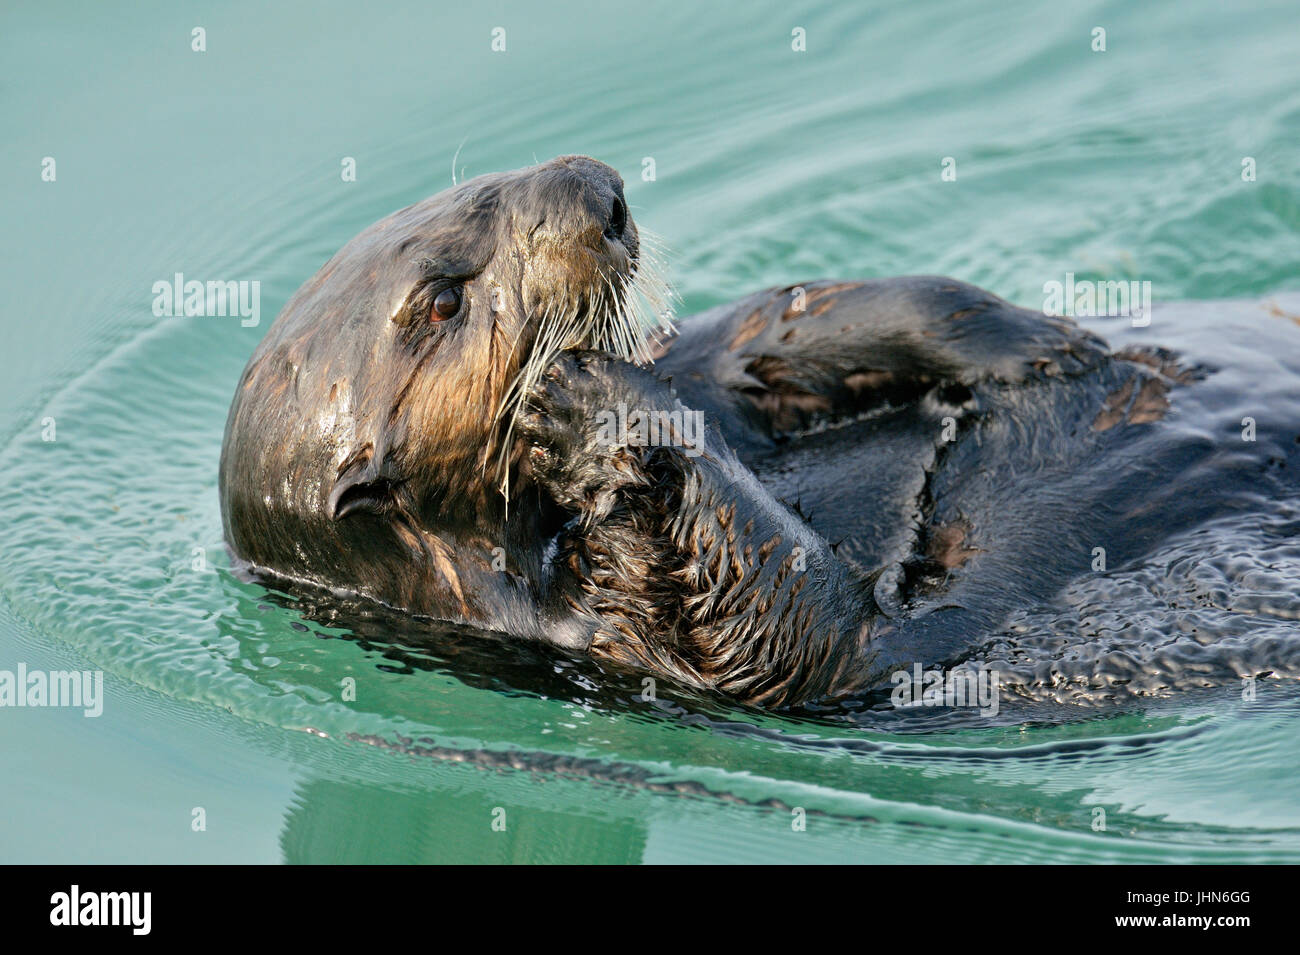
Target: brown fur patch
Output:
[(749, 329), (815, 295), (1112, 413), (976, 309), (948, 547), (868, 380), (1151, 402), (1144, 398), (1165, 364)]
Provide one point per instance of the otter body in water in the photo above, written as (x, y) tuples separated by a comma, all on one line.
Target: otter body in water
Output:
[(448, 419)]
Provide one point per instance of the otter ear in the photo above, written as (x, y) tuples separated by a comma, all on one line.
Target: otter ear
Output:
[(360, 486)]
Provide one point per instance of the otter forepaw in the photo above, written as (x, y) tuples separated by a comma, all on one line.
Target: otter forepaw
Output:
[(568, 454)]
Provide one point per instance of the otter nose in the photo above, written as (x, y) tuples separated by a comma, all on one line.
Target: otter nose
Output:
[(584, 194)]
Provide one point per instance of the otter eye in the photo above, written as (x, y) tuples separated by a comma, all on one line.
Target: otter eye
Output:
[(446, 305)]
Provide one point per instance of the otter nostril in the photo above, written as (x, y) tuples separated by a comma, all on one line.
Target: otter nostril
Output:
[(617, 219)]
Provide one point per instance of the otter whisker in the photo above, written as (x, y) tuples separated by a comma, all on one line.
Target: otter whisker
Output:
[(651, 300), (556, 335), (625, 315), (615, 332)]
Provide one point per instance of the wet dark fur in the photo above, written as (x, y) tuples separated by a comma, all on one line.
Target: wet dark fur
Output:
[(829, 533), (831, 397), (359, 448)]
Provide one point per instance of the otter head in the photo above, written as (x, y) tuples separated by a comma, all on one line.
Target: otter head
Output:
[(369, 445)]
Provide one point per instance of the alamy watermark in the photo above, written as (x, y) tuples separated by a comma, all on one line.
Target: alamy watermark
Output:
[(639, 428), (217, 299), (961, 687), (75, 907), (83, 689), (1085, 298)]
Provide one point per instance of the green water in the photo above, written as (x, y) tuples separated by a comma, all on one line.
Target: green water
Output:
[(772, 166)]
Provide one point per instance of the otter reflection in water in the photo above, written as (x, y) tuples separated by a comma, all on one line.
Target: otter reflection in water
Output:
[(887, 469)]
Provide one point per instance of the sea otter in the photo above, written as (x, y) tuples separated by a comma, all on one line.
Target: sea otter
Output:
[(478, 412)]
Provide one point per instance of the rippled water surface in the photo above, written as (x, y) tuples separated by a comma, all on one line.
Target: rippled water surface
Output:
[(771, 167)]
